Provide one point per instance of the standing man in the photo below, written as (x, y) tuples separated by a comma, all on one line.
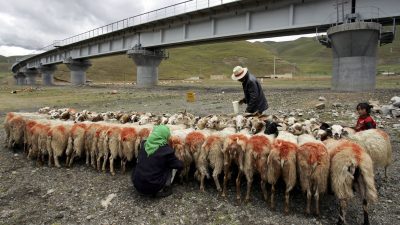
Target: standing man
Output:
[(253, 94)]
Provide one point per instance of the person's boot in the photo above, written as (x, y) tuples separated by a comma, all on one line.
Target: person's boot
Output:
[(166, 191)]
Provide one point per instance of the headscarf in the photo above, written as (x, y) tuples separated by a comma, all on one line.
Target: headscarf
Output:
[(157, 138)]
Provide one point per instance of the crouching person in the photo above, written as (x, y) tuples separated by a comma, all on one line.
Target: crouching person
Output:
[(156, 164)]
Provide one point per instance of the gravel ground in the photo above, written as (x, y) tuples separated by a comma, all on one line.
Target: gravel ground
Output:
[(34, 194)]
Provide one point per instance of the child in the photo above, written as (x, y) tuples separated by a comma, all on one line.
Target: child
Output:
[(365, 121)]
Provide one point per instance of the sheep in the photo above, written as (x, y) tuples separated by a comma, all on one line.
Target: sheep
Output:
[(127, 141), (38, 141), (111, 146), (193, 143), (351, 167), (313, 168), (255, 160), (211, 155), (57, 141), (144, 132), (16, 126), (100, 145), (282, 162), (91, 137), (233, 152), (375, 142), (77, 139), (177, 142), (7, 127)]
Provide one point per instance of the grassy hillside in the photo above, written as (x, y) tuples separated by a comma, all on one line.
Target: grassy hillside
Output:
[(304, 56), (185, 62), (313, 58)]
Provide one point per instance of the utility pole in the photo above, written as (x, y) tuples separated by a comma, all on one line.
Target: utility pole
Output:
[(274, 66)]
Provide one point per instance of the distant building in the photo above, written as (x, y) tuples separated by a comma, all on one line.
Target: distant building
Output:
[(218, 77)]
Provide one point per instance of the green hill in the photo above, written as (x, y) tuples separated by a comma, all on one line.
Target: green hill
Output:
[(313, 58), (304, 57)]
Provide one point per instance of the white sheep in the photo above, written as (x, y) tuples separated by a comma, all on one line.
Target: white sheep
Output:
[(375, 142), (351, 167)]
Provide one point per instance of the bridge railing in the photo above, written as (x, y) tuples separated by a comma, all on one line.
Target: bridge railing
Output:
[(169, 11)]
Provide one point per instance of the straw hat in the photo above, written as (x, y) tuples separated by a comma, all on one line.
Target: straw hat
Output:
[(238, 73)]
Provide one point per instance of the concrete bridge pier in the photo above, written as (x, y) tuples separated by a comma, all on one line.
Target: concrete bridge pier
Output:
[(78, 70), (31, 75), (354, 47), (147, 62), (20, 78), (47, 74)]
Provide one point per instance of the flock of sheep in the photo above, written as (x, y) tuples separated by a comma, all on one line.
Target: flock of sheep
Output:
[(313, 153)]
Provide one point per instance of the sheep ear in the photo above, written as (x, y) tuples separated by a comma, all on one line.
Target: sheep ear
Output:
[(345, 133)]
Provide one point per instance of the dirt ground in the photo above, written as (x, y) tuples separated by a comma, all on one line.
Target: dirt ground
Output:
[(34, 194)]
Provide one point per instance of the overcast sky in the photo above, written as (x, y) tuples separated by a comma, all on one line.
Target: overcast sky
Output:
[(27, 25)]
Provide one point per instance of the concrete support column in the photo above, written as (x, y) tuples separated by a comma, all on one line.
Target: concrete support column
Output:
[(78, 70), (354, 47), (47, 74), (20, 78), (147, 63), (31, 75)]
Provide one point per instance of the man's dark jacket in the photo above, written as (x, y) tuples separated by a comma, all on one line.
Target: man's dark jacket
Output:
[(151, 172), (253, 95)]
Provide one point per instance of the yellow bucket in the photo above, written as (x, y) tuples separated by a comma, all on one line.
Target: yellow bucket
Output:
[(190, 96)]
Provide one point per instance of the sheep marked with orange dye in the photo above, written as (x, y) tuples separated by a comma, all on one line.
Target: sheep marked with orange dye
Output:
[(233, 150), (211, 156), (127, 141), (313, 163), (282, 162), (351, 167), (256, 155)]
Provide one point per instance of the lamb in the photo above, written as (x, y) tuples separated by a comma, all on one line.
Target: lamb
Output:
[(351, 167), (313, 164), (255, 160), (127, 141), (282, 162)]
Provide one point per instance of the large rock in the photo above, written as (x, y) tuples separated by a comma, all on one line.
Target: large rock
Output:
[(322, 98), (395, 99), (386, 109), (396, 104), (396, 113)]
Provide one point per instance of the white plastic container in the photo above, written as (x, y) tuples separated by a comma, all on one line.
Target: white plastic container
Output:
[(235, 107)]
